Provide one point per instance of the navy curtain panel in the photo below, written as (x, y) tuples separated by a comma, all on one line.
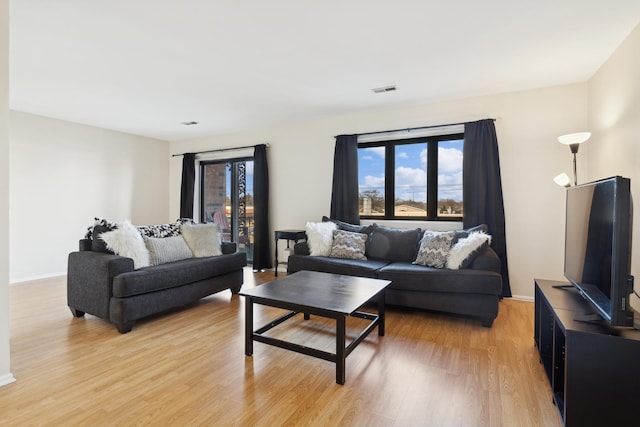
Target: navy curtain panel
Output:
[(261, 238), (344, 194), (188, 182), (482, 188)]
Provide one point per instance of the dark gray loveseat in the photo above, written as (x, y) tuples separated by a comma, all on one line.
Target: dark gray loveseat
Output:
[(474, 291), (107, 286)]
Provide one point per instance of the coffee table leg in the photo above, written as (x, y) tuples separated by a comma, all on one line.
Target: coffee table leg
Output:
[(381, 314), (248, 326), (340, 349)]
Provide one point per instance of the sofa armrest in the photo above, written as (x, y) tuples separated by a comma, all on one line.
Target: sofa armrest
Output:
[(301, 248), (228, 248), (90, 280), (487, 260)]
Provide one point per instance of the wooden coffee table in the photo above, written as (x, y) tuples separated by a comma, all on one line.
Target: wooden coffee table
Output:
[(327, 295)]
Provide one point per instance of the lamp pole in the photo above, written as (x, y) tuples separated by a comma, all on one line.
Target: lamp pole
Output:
[(574, 150)]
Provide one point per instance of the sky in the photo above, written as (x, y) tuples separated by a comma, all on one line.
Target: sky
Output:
[(410, 170)]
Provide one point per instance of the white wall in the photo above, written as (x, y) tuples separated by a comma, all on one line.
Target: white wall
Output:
[(63, 175), (301, 164), (5, 365), (614, 120)]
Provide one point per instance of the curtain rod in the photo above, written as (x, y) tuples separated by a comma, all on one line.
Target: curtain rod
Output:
[(221, 149), (410, 129)]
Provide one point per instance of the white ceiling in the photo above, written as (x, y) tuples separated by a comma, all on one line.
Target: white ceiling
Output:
[(145, 66)]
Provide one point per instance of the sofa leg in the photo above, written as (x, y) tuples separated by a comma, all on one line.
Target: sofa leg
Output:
[(76, 313), (486, 322), (235, 289), (125, 327)]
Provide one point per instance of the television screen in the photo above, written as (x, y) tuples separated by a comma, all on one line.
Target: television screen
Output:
[(598, 246)]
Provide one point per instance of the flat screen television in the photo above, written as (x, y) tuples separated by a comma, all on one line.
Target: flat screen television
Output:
[(597, 257)]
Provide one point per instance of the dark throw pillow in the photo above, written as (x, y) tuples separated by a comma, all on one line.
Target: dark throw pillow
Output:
[(353, 228), (97, 244), (393, 244)]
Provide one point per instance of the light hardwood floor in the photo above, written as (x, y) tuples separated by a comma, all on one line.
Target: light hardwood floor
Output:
[(188, 367)]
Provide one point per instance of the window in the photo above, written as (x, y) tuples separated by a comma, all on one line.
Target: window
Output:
[(419, 178), (226, 198)]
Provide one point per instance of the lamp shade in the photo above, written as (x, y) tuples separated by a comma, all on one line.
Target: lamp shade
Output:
[(562, 180), (574, 138)]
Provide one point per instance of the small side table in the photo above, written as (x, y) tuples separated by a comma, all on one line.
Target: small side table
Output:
[(288, 235)]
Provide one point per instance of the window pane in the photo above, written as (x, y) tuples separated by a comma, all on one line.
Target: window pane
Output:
[(227, 200), (450, 202), (214, 195), (410, 184), (371, 180)]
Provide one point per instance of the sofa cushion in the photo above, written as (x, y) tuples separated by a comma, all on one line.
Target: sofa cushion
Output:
[(174, 274), (166, 249), (203, 239), (412, 277), (434, 248), (320, 237), (349, 267), (393, 244), (348, 245)]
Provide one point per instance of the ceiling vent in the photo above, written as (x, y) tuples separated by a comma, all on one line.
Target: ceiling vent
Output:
[(384, 89), (188, 123)]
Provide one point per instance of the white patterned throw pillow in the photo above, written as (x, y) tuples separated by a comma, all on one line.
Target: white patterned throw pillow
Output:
[(320, 237), (434, 248), (347, 244)]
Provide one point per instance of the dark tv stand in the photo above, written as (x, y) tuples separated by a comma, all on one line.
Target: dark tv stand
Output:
[(593, 369)]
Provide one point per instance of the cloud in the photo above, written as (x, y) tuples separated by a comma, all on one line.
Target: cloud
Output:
[(449, 160), (379, 151), (410, 177), (373, 183), (410, 182), (450, 186), (366, 158)]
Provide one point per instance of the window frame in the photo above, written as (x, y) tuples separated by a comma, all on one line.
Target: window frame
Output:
[(432, 176)]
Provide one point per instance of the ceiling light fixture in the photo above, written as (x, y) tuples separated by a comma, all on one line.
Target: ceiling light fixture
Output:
[(384, 89)]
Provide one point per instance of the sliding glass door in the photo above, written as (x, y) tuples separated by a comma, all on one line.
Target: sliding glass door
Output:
[(226, 198)]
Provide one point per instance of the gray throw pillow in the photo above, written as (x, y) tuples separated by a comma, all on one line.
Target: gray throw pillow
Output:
[(354, 228), (393, 244), (97, 244), (166, 249)]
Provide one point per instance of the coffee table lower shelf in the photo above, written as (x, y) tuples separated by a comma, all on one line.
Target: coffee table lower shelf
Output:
[(342, 350)]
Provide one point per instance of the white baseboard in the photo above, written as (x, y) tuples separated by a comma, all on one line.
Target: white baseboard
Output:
[(33, 278), (522, 298), (6, 379)]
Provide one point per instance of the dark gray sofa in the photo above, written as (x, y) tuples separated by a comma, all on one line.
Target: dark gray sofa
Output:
[(474, 291), (107, 286)]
